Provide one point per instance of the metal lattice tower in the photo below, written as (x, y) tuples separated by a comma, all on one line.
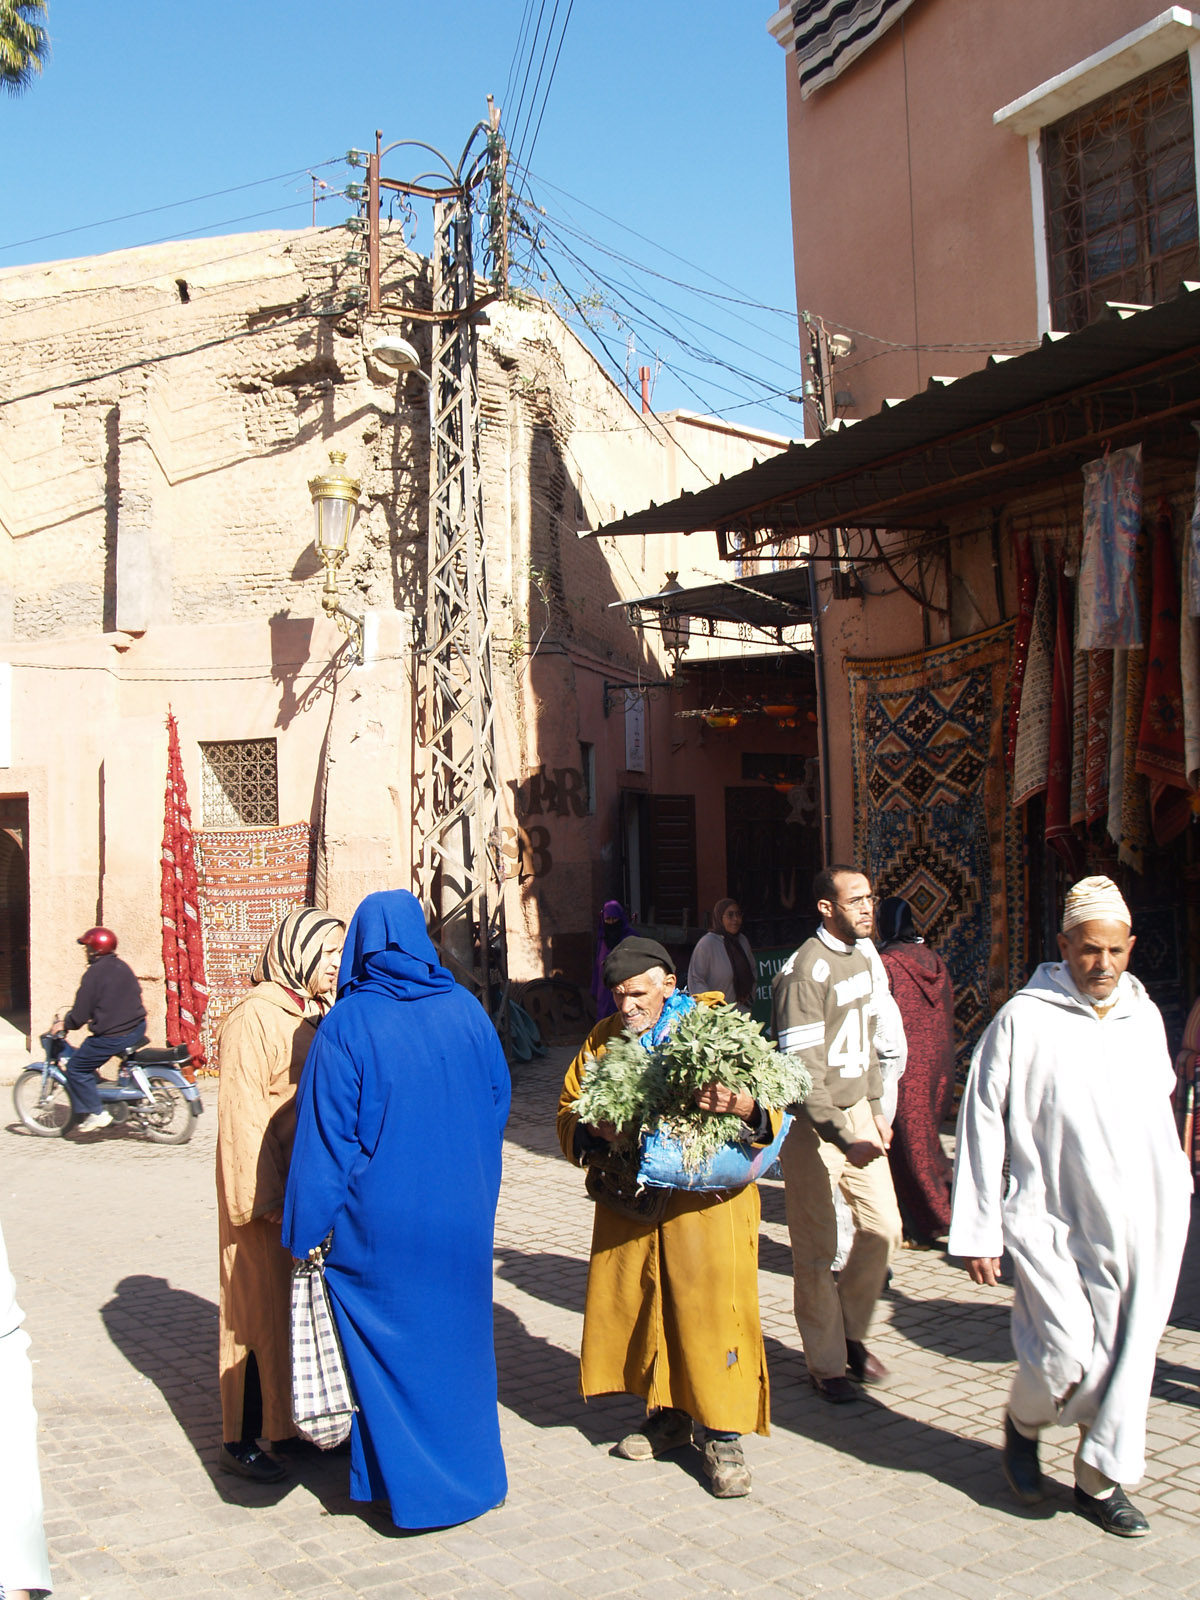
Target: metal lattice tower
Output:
[(459, 864)]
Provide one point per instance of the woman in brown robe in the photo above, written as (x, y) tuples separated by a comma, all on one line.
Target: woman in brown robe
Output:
[(263, 1042)]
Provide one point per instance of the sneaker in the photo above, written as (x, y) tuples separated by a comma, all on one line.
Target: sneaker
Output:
[(1021, 1465), (248, 1461), (94, 1122), (666, 1429), (726, 1469)]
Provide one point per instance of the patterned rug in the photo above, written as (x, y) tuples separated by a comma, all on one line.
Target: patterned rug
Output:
[(933, 819), (250, 878)]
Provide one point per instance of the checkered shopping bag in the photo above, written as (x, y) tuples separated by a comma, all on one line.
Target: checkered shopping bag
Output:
[(322, 1403)]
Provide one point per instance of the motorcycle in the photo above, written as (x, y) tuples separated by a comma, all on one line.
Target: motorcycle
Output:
[(151, 1092)]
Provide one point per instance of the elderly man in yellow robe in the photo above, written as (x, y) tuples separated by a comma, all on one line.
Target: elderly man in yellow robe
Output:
[(672, 1297)]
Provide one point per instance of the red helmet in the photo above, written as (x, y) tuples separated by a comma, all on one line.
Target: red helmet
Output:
[(100, 941)]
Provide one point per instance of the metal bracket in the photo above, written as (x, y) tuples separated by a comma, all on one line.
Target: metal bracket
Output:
[(638, 690)]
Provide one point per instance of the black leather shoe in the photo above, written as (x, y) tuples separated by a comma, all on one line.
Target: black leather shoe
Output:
[(248, 1461), (838, 1391), (862, 1366), (1021, 1466), (1116, 1513)]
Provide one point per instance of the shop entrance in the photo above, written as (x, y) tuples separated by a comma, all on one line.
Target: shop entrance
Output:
[(14, 914), (771, 856)]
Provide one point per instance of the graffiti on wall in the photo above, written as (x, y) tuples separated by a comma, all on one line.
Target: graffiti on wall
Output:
[(548, 793)]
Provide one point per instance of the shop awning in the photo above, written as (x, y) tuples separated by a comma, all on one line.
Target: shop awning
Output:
[(988, 436), (768, 600)]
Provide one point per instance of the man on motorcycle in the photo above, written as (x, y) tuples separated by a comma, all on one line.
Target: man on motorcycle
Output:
[(110, 1003)]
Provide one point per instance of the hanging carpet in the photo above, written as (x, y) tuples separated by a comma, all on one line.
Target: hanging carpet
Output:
[(933, 820), (182, 942), (1031, 758), (1160, 748), (250, 878)]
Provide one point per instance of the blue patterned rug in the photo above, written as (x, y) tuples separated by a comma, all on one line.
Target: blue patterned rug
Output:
[(933, 819)]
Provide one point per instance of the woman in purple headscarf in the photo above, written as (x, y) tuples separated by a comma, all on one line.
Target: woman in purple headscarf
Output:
[(614, 926)]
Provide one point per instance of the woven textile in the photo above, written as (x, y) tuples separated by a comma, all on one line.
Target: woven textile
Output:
[(1160, 751), (1027, 584), (1099, 713), (182, 942), (1031, 761), (1058, 773), (1189, 673), (250, 878), (1135, 789), (933, 822), (1079, 740)]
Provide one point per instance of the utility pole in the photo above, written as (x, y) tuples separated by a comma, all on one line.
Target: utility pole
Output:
[(457, 858)]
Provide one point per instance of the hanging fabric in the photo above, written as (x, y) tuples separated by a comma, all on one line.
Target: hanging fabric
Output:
[(1189, 667), (1160, 748), (182, 944), (1079, 737), (1109, 615), (1191, 558), (1135, 789), (1116, 747), (1026, 598), (1058, 774), (1032, 756), (1099, 719)]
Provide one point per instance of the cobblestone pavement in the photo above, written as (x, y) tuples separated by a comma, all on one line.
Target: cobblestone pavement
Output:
[(114, 1246)]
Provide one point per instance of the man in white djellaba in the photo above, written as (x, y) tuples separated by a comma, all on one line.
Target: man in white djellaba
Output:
[(1074, 1075)]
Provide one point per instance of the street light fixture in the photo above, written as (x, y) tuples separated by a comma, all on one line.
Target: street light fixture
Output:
[(675, 625), (335, 499)]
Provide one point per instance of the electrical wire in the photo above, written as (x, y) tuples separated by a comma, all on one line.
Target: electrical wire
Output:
[(170, 205), (553, 70), (639, 315), (528, 65), (540, 72)]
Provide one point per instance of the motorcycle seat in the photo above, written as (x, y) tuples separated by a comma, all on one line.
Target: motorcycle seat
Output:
[(152, 1056)]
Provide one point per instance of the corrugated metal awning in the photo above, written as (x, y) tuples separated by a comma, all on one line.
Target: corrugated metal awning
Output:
[(767, 600), (990, 435)]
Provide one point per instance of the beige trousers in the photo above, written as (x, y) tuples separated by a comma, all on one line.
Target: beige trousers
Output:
[(829, 1311)]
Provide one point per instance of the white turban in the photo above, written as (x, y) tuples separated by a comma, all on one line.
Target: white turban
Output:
[(1095, 900)]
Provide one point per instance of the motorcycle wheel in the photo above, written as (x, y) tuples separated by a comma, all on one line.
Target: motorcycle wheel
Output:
[(46, 1116), (169, 1120)]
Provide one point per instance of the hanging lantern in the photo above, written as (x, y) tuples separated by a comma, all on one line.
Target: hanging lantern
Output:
[(675, 625), (722, 719)]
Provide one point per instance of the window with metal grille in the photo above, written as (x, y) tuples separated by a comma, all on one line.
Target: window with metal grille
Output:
[(1120, 190), (241, 783)]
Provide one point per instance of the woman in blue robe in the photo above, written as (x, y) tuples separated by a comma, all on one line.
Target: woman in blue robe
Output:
[(401, 1114)]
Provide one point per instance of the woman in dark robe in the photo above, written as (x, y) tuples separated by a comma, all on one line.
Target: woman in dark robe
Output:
[(920, 982), (614, 926), (400, 1120)]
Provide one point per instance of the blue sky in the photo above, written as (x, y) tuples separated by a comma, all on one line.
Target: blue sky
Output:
[(666, 117)]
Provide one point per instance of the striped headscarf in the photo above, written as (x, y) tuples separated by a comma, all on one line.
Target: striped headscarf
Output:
[(293, 953)]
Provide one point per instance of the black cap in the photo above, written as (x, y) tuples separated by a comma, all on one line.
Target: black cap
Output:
[(632, 957)]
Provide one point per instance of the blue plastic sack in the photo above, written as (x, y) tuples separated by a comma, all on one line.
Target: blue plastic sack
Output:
[(733, 1166)]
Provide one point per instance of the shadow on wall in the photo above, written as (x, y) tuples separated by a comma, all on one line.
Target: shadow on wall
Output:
[(564, 848)]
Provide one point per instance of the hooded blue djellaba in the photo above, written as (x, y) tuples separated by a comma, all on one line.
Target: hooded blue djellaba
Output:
[(401, 1115)]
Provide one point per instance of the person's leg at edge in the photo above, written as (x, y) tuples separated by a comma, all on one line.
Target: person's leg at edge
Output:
[(809, 1174), (878, 1232)]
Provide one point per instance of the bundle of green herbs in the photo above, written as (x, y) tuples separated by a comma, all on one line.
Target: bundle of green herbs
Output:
[(638, 1090)]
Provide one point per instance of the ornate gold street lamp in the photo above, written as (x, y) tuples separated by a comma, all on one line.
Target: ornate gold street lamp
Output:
[(335, 500)]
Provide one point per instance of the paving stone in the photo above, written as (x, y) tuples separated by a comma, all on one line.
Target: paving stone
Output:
[(899, 1496)]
